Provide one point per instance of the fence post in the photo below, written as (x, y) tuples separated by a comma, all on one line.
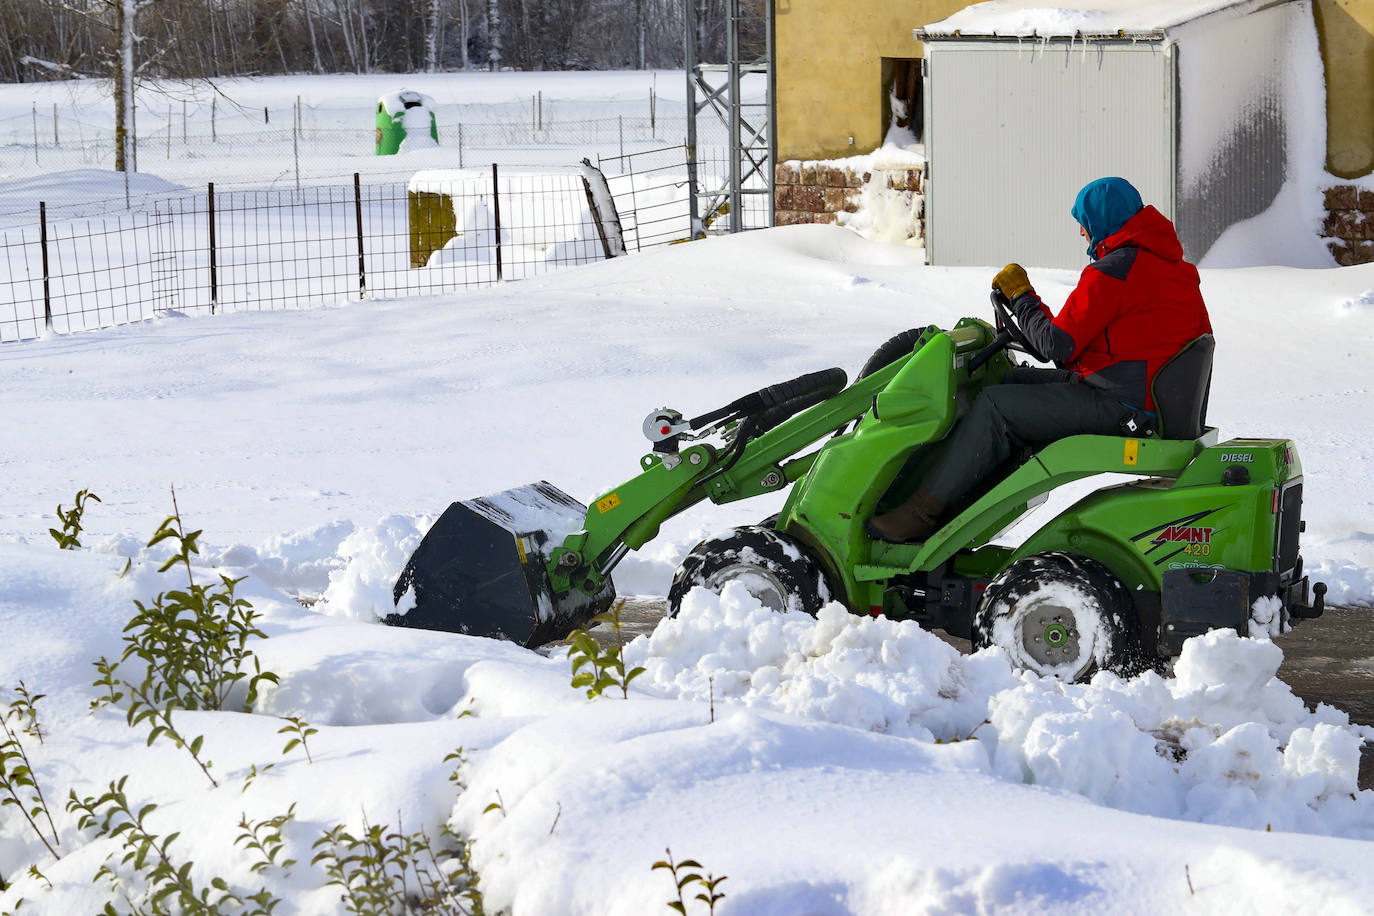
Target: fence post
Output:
[(35, 133), (296, 155), (358, 211), (622, 136), (43, 244), (496, 208), (56, 141), (460, 144), (214, 255)]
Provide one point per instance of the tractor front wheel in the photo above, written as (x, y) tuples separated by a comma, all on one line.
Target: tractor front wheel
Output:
[(1059, 615), (773, 568)]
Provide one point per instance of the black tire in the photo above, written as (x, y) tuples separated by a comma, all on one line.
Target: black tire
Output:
[(1060, 615), (775, 569)]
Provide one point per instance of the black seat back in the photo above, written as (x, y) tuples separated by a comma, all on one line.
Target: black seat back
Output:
[(1180, 389)]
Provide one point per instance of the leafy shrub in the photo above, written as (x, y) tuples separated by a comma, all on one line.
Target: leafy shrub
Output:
[(18, 784), (167, 884), (607, 667), (383, 872), (301, 730), (683, 882), (71, 521), (193, 644)]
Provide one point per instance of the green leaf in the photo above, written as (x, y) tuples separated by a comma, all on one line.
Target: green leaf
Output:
[(164, 532)]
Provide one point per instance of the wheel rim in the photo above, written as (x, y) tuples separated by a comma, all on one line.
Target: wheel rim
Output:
[(1050, 637), (762, 583)]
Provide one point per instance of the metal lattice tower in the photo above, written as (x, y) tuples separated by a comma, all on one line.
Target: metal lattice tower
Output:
[(749, 138)]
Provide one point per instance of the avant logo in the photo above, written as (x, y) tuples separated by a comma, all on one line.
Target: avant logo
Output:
[(1180, 536), (1184, 534)]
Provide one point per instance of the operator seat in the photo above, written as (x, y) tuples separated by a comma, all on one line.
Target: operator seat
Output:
[(1181, 387)]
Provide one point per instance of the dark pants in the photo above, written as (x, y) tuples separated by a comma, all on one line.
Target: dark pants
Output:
[(1032, 407)]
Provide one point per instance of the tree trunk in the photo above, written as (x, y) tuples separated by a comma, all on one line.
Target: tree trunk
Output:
[(493, 35), (639, 32), (314, 42), (432, 39), (124, 84), (463, 31)]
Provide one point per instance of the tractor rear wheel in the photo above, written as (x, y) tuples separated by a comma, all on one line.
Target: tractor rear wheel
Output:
[(774, 568), (1059, 615)]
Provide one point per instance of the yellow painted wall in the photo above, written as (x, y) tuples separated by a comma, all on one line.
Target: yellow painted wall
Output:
[(1346, 30), (829, 69)]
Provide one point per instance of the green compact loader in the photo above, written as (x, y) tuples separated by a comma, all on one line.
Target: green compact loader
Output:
[(1205, 535)]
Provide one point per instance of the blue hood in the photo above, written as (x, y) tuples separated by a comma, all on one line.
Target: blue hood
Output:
[(1103, 207)]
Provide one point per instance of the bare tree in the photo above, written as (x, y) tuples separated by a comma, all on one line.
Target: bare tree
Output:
[(493, 35), (432, 38)]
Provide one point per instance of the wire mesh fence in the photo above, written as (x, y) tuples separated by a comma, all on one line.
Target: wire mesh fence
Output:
[(314, 144), (263, 249)]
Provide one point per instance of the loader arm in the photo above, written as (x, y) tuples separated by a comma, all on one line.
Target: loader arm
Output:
[(630, 515)]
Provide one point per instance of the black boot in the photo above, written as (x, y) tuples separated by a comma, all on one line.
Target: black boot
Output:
[(914, 520)]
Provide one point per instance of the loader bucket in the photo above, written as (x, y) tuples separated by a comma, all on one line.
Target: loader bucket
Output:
[(480, 569)]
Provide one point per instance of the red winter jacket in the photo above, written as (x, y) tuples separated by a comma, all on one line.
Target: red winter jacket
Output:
[(1134, 308)]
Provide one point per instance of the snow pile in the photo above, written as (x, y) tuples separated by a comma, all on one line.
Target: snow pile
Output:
[(1223, 741), (876, 674), (372, 559), (1268, 618), (1364, 300)]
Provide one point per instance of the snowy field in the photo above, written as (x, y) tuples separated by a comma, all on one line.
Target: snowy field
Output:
[(829, 767), (239, 132)]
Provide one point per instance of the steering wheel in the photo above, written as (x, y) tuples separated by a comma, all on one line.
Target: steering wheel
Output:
[(1009, 334), (1007, 323)]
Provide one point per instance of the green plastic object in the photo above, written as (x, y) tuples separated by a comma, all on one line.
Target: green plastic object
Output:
[(391, 118)]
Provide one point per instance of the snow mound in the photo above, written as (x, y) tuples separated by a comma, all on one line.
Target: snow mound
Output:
[(1222, 741), (372, 558), (1364, 300)]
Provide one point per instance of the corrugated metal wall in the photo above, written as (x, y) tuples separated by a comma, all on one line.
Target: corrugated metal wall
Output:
[(1014, 130), (1233, 156)]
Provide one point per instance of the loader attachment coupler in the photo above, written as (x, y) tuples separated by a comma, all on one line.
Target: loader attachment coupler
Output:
[(480, 569)]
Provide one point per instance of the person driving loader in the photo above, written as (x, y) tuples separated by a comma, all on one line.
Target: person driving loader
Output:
[(1136, 305)]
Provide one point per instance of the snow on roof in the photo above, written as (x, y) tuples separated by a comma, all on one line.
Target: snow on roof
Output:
[(1029, 19)]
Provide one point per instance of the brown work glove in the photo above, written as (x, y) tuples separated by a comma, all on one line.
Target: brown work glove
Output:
[(1013, 282)]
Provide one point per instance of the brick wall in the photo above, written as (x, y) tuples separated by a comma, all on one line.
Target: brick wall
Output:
[(1349, 226), (821, 192)]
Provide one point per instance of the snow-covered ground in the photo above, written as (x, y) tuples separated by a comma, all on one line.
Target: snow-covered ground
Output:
[(829, 766), (239, 131)]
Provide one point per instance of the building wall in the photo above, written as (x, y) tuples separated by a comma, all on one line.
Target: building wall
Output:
[(829, 69), (1346, 29)]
